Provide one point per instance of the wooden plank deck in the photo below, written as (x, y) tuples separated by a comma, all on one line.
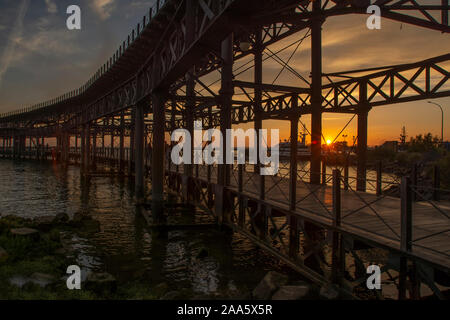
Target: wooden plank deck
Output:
[(378, 222)]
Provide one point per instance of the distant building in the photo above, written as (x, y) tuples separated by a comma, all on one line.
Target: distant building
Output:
[(391, 145), (341, 146)]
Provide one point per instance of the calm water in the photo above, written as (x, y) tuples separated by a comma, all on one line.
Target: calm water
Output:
[(124, 246)]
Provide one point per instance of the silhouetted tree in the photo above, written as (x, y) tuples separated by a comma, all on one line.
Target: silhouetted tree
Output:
[(424, 143)]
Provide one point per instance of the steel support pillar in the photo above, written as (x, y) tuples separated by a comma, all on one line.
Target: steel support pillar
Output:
[(30, 147), (294, 235), (226, 95), (131, 153), (158, 154), (190, 99), (189, 117), (314, 234), (65, 147), (59, 149), (86, 148), (361, 151), (94, 148), (68, 147), (83, 149), (316, 96), (122, 142), (21, 146), (139, 152), (111, 144), (44, 150), (15, 146), (103, 153), (76, 147), (258, 78)]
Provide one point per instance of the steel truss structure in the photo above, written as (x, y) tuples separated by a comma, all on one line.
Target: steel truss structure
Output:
[(153, 85)]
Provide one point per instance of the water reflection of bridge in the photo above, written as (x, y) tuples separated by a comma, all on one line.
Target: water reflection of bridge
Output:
[(157, 80)]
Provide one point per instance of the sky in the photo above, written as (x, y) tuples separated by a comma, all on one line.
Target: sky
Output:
[(41, 59)]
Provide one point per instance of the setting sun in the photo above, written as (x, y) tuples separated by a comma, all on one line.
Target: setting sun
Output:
[(328, 142)]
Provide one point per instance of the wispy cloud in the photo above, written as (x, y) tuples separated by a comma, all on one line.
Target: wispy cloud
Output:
[(53, 43), (103, 8), (16, 33), (51, 6)]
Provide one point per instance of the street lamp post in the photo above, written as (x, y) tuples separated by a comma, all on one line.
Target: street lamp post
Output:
[(442, 128)]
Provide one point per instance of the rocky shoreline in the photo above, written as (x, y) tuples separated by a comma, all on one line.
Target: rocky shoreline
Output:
[(34, 257)]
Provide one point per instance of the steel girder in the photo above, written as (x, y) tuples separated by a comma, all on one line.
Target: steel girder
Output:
[(170, 59)]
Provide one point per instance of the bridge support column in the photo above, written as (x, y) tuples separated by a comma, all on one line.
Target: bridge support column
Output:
[(22, 147), (65, 147), (258, 78), (338, 250), (76, 148), (131, 153), (190, 103), (111, 152), (6, 147), (59, 148), (86, 148), (139, 152), (18, 142), (94, 149), (68, 148), (189, 117), (226, 95), (38, 149), (361, 151), (316, 96), (83, 149), (294, 235), (62, 147), (59, 156), (44, 150), (14, 146), (122, 142), (102, 153), (30, 147), (314, 234), (158, 154)]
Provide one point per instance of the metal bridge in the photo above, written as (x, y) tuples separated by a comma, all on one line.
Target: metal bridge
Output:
[(318, 222)]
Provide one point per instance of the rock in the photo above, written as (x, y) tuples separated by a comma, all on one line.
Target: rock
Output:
[(43, 221), (101, 283), (271, 282), (25, 232), (90, 226), (61, 217), (18, 281), (3, 255), (203, 253), (292, 293), (41, 279), (160, 289), (329, 292), (77, 219), (172, 295), (46, 222)]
